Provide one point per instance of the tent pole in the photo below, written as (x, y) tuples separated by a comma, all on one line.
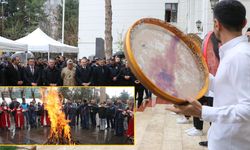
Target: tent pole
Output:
[(63, 20)]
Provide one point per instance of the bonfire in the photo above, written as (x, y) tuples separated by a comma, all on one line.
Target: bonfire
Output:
[(60, 130)]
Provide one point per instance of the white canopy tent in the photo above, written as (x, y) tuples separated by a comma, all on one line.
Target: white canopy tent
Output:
[(9, 45), (38, 41)]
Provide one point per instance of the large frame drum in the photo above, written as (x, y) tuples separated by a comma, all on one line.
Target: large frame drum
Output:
[(166, 61)]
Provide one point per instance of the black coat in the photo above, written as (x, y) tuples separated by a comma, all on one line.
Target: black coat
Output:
[(12, 75), (127, 72), (101, 76), (51, 76), (31, 78), (102, 112), (2, 74), (115, 71), (84, 75)]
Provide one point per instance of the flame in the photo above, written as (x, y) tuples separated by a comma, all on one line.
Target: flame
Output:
[(60, 130)]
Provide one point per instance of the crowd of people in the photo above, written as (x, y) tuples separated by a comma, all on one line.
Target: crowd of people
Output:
[(66, 72), (117, 116)]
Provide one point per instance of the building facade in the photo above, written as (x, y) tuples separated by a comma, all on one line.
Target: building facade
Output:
[(183, 13)]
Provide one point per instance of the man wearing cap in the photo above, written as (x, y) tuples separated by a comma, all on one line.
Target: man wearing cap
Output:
[(68, 74)]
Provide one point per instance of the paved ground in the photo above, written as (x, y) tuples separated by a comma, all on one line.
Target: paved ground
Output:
[(83, 136)]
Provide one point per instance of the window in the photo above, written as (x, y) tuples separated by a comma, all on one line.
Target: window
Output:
[(171, 10)]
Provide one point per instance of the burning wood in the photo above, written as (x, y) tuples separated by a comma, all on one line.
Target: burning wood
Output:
[(60, 130)]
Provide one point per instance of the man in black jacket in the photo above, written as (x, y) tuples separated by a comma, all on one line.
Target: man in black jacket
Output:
[(126, 76), (51, 75), (115, 70), (101, 74), (31, 73), (14, 73), (84, 73)]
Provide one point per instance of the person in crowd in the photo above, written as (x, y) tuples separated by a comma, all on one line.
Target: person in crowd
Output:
[(45, 121), (78, 113), (14, 73), (72, 114), (101, 74), (110, 114), (230, 114), (84, 73), (68, 74), (119, 119), (102, 112), (61, 62), (19, 117), (93, 108), (51, 75), (13, 105), (66, 109), (115, 70), (32, 74), (118, 62), (32, 115), (5, 116), (39, 113), (126, 76), (3, 65), (139, 90), (84, 113), (25, 108)]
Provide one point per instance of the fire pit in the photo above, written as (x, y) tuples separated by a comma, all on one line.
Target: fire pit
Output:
[(60, 130)]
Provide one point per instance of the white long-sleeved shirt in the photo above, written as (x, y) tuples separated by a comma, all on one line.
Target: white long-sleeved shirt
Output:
[(230, 115)]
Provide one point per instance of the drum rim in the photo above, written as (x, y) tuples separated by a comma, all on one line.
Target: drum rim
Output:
[(145, 80)]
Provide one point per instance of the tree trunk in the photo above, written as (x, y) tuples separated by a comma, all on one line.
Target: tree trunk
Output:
[(108, 29), (102, 94)]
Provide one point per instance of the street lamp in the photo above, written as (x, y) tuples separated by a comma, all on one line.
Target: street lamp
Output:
[(3, 2), (199, 26), (213, 3)]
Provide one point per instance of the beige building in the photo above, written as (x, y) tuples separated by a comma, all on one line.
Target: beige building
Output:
[(182, 13)]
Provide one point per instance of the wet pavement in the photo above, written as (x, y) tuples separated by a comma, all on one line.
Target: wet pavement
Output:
[(82, 136)]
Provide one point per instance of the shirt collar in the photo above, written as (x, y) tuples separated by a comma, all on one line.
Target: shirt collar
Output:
[(225, 48)]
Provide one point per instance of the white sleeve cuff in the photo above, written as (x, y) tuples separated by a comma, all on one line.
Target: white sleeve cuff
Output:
[(207, 113)]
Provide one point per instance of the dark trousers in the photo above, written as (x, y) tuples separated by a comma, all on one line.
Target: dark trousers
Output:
[(85, 121), (148, 93), (139, 90), (110, 120), (26, 115), (93, 119), (77, 119), (198, 124)]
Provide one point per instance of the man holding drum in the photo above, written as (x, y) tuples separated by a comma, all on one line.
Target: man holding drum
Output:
[(230, 115)]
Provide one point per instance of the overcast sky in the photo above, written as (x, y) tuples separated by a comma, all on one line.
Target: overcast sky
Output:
[(115, 91)]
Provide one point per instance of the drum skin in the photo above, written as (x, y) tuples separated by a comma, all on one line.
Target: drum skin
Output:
[(166, 61)]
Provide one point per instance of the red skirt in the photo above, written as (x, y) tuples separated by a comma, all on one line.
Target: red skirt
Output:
[(19, 117), (45, 121), (5, 120), (130, 131)]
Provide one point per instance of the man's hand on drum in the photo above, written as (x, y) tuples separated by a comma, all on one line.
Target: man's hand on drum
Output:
[(193, 108)]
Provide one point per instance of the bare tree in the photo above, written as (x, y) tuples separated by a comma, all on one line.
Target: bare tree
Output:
[(108, 29)]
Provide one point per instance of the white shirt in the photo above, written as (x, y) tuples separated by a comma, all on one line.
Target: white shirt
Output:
[(230, 115)]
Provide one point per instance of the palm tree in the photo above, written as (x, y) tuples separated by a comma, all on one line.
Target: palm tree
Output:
[(108, 29)]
